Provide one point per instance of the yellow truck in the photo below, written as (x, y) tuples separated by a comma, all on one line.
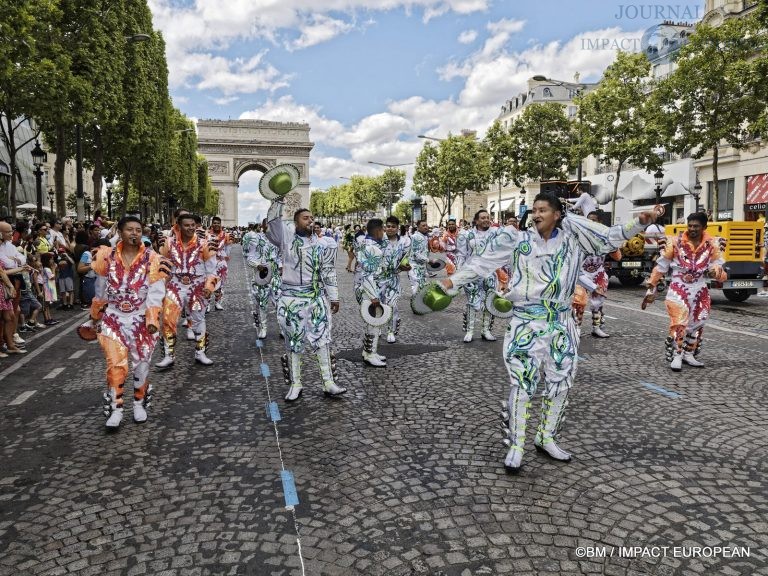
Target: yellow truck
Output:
[(743, 246)]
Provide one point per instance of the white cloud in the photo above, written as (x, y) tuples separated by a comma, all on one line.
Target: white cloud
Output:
[(319, 29), (468, 36)]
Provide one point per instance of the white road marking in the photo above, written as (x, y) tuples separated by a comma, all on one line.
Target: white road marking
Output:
[(29, 357), (709, 325), (53, 373), (21, 398), (77, 354), (610, 317)]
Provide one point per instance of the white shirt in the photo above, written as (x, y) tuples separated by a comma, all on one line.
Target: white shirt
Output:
[(10, 256), (586, 204)]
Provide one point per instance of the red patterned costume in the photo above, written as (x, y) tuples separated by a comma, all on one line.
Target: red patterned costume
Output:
[(127, 304), (193, 273), (688, 302), (223, 243)]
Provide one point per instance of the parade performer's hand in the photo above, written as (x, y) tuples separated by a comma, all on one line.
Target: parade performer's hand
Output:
[(405, 268), (650, 217), (152, 329), (375, 302), (165, 266), (447, 284), (334, 307), (261, 267), (650, 297), (206, 293)]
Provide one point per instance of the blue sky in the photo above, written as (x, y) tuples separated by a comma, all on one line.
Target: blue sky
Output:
[(370, 75)]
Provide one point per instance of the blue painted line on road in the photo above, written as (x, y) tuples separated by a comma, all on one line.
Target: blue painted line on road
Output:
[(264, 370), (259, 343), (660, 390), (289, 489), (273, 411)]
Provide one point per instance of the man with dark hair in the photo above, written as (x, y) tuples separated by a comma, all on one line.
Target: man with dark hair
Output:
[(471, 243), (189, 288), (220, 241), (370, 258), (542, 338), (394, 261), (690, 257), (303, 313), (130, 286), (419, 255)]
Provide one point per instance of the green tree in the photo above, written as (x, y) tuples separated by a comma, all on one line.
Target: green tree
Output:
[(542, 137), (503, 161), (426, 180), (391, 184), (317, 203), (717, 93), (30, 72), (616, 120), (403, 211)]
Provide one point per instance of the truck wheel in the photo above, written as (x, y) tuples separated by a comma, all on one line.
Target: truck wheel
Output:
[(631, 280), (737, 295)]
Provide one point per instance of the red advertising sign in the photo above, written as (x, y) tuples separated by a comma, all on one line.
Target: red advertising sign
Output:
[(757, 189)]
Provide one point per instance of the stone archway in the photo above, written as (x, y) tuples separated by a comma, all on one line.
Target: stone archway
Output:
[(232, 147)]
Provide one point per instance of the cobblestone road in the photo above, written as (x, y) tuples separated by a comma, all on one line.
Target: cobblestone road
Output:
[(403, 474)]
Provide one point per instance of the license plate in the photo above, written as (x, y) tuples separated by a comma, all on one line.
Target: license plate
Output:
[(744, 283), (631, 264)]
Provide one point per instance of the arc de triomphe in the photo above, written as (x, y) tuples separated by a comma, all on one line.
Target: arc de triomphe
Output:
[(232, 147)]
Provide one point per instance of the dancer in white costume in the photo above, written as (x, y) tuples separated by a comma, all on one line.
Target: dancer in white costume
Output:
[(542, 339)]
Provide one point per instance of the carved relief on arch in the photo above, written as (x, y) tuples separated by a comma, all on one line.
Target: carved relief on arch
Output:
[(263, 164), (292, 203), (219, 168)]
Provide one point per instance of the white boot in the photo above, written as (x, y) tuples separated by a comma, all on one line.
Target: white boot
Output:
[(140, 406), (112, 411), (369, 357), (691, 360), (191, 334), (487, 326), (295, 377), (376, 348), (169, 344), (200, 347), (469, 323), (677, 362), (598, 332), (391, 338), (519, 402), (262, 332), (218, 305), (552, 411), (327, 364)]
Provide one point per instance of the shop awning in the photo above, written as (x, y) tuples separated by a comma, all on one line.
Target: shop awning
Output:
[(674, 189)]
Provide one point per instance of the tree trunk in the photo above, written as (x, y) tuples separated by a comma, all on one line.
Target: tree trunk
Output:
[(59, 168), (715, 187), (615, 192), (126, 188), (98, 169), (11, 143)]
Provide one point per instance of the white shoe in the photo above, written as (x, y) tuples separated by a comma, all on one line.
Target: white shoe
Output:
[(380, 357), (331, 389), (262, 332), (115, 418), (293, 393), (166, 362), (553, 451), (677, 362), (513, 461), (191, 334), (218, 305), (468, 337), (374, 360), (762, 294), (488, 335), (690, 359), (391, 338), (139, 412), (598, 332), (18, 339), (201, 358)]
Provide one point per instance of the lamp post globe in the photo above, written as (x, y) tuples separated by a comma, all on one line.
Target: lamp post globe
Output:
[(658, 178), (39, 157)]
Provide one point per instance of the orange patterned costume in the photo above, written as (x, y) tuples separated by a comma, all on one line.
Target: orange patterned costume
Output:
[(127, 304), (193, 272), (223, 242), (687, 301)]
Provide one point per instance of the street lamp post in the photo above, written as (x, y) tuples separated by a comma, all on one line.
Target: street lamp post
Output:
[(5, 180), (391, 192), (39, 157), (659, 178), (696, 192), (88, 207), (110, 183), (51, 196)]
